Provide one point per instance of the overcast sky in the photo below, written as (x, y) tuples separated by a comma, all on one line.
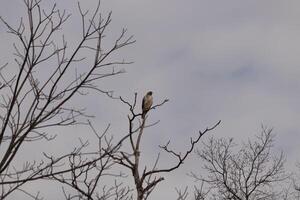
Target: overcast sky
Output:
[(235, 61)]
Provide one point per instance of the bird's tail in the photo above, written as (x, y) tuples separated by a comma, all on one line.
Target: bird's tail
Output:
[(143, 115)]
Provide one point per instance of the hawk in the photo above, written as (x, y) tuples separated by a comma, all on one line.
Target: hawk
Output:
[(147, 103)]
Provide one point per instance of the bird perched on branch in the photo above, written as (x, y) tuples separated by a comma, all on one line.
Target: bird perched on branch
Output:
[(147, 103)]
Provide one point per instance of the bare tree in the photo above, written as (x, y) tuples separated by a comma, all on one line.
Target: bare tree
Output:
[(253, 172), (37, 91), (146, 179), (295, 183)]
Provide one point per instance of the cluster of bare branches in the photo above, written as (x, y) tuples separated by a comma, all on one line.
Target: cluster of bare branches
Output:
[(36, 94), (88, 170), (37, 91), (252, 172), (147, 179), (295, 183), (199, 193)]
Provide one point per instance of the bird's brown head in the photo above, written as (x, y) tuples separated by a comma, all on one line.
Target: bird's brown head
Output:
[(149, 93)]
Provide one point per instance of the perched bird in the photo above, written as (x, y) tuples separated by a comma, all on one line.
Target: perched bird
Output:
[(147, 103)]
